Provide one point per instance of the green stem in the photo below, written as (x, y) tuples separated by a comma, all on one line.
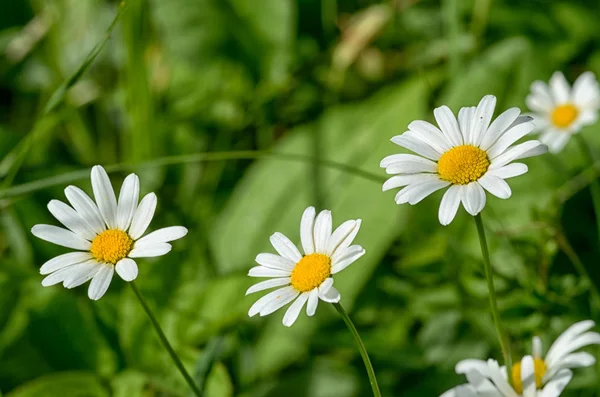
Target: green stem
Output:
[(594, 186), (492, 294), (73, 176), (166, 343), (361, 348)]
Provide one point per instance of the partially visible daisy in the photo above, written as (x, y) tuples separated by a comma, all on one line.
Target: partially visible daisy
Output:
[(107, 234), (306, 278), (560, 111), (468, 155), (545, 375)]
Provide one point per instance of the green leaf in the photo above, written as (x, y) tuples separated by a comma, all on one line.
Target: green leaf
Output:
[(219, 382), (63, 384)]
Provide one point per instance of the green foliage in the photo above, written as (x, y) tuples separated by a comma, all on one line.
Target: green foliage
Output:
[(181, 77)]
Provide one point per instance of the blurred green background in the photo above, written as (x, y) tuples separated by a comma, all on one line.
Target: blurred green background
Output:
[(326, 79)]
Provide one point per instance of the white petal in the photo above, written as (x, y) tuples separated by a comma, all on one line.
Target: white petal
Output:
[(536, 347), (559, 87), (448, 124), (535, 151), (272, 301), (427, 139), (467, 365), (556, 386), (528, 376), (495, 185), (566, 337), (268, 284), (498, 126), (58, 276), (60, 236), (416, 146), (423, 127), (508, 138), (128, 201), (105, 196), (540, 98), (149, 250), (340, 234), (285, 247), (331, 296), (261, 271), (556, 140), (586, 92), (403, 164), (313, 302), (589, 338), (498, 377), (473, 198), (100, 282), (275, 262), (405, 180), (127, 269), (81, 273), (465, 117), (509, 171), (483, 115), (64, 260), (415, 193), (143, 216), (71, 219), (293, 311), (346, 258), (575, 360), (306, 230), (322, 231), (86, 208), (513, 153), (164, 235), (449, 205), (325, 285)]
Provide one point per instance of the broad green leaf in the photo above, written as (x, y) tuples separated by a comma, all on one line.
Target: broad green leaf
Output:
[(63, 384)]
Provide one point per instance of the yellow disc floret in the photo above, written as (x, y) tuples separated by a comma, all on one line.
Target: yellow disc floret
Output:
[(111, 246), (463, 164), (310, 272), (564, 115), (539, 370)]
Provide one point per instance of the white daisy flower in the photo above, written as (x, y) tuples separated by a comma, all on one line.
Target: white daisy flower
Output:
[(107, 234), (305, 278), (560, 111), (536, 375), (468, 155)]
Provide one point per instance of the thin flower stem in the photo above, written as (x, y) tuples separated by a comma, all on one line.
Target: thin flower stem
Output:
[(166, 343), (594, 186), (492, 294), (361, 349)]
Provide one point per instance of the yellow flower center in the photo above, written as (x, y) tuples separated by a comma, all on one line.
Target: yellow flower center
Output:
[(539, 370), (463, 164), (564, 115), (310, 272), (111, 246)]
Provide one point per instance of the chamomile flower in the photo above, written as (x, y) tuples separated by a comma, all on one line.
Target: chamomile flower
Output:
[(107, 234), (468, 155), (560, 111), (304, 279), (536, 374)]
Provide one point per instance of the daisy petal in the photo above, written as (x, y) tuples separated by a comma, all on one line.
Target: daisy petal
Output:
[(559, 87), (292, 313), (483, 115), (449, 205), (279, 301), (275, 262), (473, 198), (57, 277), (331, 296), (81, 273), (60, 236), (557, 384), (64, 260), (313, 302), (128, 200), (322, 231), (509, 171), (408, 164), (339, 235), (448, 124), (101, 282), (417, 146), (268, 284), (149, 250), (528, 376), (127, 269), (164, 235), (261, 271), (306, 230), (425, 189), (285, 247), (348, 257), (143, 216), (465, 117), (513, 153), (71, 219), (405, 180), (508, 138), (423, 127), (496, 186), (498, 126), (86, 208), (105, 196)]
